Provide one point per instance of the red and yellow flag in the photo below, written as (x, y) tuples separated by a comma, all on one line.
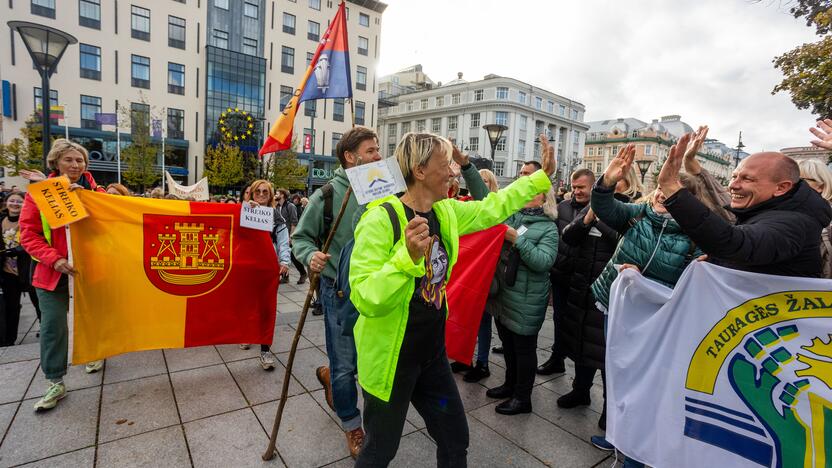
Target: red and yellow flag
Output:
[(158, 274)]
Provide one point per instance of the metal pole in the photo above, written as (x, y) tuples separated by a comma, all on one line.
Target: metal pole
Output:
[(66, 121), (45, 106), (163, 162), (118, 148)]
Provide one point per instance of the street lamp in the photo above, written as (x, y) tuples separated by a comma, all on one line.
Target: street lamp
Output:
[(495, 131), (740, 146), (46, 46), (643, 166)]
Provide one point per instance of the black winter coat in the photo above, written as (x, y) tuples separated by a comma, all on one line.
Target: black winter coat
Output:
[(582, 329), (780, 236), (565, 263)]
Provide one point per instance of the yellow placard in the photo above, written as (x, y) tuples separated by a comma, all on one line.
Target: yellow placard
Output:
[(57, 204)]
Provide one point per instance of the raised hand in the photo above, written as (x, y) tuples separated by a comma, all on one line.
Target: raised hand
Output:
[(825, 134), (33, 175), (547, 156), (669, 175), (692, 165), (459, 158), (620, 165), (417, 237)]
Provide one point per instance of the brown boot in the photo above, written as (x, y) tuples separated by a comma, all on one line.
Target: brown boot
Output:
[(323, 377), (355, 439)]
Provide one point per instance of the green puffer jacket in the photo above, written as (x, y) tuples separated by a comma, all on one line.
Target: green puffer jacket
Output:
[(522, 307), (382, 275), (654, 243)]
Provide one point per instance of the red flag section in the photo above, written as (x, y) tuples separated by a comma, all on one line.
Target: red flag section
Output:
[(467, 290)]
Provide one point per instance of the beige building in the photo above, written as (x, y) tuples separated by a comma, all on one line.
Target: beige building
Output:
[(188, 61), (802, 153), (653, 141)]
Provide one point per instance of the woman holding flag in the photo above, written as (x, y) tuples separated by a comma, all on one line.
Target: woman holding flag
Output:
[(399, 291)]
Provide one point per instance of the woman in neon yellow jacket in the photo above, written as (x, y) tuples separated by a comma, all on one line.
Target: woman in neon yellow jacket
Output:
[(399, 291)]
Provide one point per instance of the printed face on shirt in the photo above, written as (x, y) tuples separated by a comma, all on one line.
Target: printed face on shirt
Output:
[(432, 285)]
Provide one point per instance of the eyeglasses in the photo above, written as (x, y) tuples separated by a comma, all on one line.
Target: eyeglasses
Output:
[(262, 191)]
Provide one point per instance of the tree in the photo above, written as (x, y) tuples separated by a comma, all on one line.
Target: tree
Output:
[(807, 70), (223, 165), (284, 170), (25, 152), (142, 154)]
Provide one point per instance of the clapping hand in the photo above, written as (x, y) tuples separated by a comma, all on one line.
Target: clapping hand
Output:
[(547, 156), (692, 165), (620, 165), (825, 134), (669, 175)]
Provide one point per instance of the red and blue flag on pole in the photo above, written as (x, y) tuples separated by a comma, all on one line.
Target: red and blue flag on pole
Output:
[(327, 77)]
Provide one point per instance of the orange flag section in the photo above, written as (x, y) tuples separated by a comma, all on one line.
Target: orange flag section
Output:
[(168, 274), (57, 204), (468, 290)]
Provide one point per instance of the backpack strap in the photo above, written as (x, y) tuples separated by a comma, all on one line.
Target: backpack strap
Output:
[(328, 192), (394, 220)]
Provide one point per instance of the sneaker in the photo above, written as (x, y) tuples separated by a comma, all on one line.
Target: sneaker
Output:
[(497, 350), (55, 393), (574, 399), (302, 279), (355, 439), (267, 360), (245, 346), (601, 443), (322, 373), (94, 366), (479, 372)]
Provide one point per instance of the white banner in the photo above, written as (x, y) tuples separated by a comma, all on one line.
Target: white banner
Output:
[(258, 217), (199, 191), (375, 180), (728, 369)]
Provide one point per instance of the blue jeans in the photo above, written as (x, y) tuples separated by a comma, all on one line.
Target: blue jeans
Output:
[(484, 338), (342, 360)]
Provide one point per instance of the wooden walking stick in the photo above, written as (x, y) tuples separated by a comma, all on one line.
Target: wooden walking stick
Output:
[(313, 285)]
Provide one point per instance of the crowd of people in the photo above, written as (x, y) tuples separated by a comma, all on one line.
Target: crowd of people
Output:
[(382, 284)]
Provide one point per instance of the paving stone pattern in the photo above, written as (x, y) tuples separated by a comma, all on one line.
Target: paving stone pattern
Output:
[(214, 405)]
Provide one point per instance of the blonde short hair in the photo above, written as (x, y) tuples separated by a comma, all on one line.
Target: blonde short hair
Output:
[(814, 169), (415, 149), (60, 147), (490, 180), (550, 204), (256, 184), (634, 186)]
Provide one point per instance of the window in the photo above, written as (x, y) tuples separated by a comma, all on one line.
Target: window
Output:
[(423, 104), (364, 19), (221, 4), (478, 95), (250, 9), (436, 125), (521, 97), (455, 98), (420, 125), (89, 13), (220, 39), (501, 118), (288, 23), (249, 46), (176, 124), (599, 168), (176, 78), (391, 149), (538, 103), (336, 138), (590, 151), (574, 114), (309, 57), (139, 116), (501, 144), (405, 127), (90, 105), (310, 108), (90, 61), (475, 120), (648, 149), (361, 77), (140, 71), (314, 32), (562, 109), (550, 107), (359, 112), (287, 60), (139, 23), (521, 148), (391, 131), (474, 144), (315, 4), (176, 32), (452, 122), (44, 8), (523, 123), (285, 96), (502, 93), (363, 46), (439, 101), (499, 168), (53, 97), (409, 106)]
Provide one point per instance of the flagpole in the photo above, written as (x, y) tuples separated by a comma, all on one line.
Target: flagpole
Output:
[(66, 122), (118, 149)]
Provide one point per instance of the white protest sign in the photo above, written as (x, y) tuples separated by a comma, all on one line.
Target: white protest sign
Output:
[(258, 217), (376, 180), (199, 191)]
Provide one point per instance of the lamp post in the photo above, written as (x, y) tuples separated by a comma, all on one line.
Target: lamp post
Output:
[(46, 46), (740, 146), (643, 166), (495, 131)]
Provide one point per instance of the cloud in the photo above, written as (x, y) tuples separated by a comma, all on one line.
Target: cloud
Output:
[(708, 61)]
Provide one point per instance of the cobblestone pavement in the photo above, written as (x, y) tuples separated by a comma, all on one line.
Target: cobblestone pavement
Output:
[(212, 405)]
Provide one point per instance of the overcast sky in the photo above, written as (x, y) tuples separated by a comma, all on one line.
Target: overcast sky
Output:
[(706, 60)]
